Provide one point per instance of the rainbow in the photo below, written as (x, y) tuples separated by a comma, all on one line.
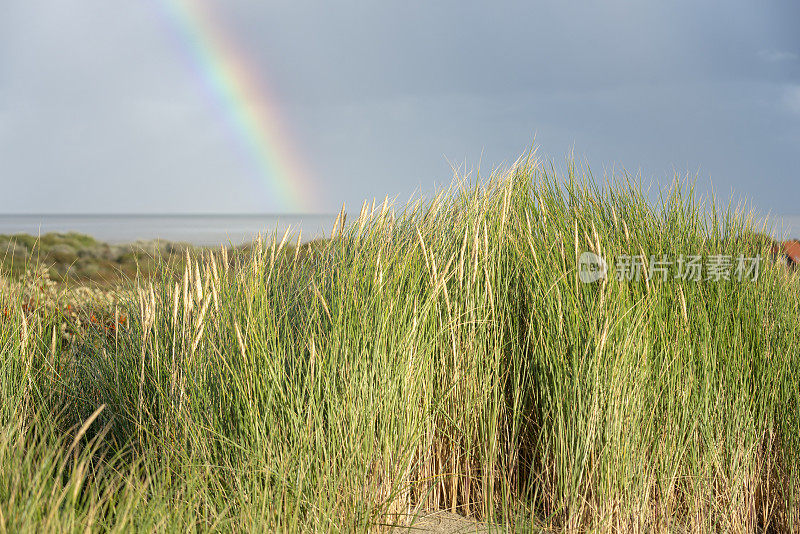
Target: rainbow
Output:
[(253, 115)]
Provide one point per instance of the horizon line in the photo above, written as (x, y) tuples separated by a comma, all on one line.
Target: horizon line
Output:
[(166, 214)]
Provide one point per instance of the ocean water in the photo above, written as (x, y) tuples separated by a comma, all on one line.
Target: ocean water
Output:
[(212, 230), (202, 230)]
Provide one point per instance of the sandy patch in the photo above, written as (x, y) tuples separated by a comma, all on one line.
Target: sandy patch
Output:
[(449, 523)]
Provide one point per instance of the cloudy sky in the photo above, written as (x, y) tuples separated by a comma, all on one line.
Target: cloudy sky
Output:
[(103, 108)]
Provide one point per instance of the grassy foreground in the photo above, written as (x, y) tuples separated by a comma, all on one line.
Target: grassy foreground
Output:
[(445, 356)]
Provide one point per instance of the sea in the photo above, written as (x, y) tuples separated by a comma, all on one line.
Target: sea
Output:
[(200, 230), (215, 229)]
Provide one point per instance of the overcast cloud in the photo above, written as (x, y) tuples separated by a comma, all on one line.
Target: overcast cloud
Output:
[(102, 111)]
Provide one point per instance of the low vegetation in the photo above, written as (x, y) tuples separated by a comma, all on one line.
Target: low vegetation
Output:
[(440, 356), (80, 259)]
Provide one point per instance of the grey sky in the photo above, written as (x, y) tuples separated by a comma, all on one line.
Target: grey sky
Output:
[(102, 111)]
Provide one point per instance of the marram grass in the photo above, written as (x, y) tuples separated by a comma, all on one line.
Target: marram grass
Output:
[(439, 356)]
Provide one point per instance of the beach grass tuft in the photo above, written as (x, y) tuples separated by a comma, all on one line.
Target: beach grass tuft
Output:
[(442, 355)]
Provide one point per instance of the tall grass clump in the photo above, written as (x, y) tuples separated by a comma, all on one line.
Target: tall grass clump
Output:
[(443, 355)]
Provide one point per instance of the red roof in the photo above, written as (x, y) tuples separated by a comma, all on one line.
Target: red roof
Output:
[(792, 251)]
